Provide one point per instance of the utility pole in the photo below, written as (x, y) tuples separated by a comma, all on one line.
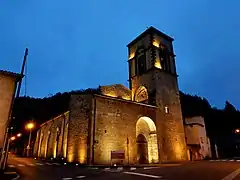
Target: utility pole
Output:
[(4, 156), (22, 72)]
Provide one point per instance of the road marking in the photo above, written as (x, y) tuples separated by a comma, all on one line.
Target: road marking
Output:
[(238, 160), (106, 169), (132, 168), (40, 164), (8, 173), (94, 168), (16, 178), (231, 160), (31, 164), (120, 168), (11, 166), (80, 177), (56, 164), (66, 178), (140, 174), (21, 165), (150, 167), (232, 175), (48, 164)]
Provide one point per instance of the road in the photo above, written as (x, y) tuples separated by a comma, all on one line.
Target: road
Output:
[(30, 169)]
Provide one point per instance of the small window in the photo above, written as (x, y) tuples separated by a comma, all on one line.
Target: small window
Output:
[(166, 109)]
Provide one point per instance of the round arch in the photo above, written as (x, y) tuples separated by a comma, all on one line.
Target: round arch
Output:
[(146, 140)]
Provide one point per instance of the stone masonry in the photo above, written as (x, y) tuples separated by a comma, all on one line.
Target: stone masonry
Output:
[(145, 121)]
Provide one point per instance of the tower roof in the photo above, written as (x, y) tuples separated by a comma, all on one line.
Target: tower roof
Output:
[(149, 31)]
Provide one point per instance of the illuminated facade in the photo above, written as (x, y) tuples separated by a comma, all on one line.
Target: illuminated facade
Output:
[(143, 121)]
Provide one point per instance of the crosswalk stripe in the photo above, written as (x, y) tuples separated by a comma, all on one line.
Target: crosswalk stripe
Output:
[(11, 166), (133, 168), (31, 164), (48, 164), (80, 177), (56, 164), (146, 175), (21, 165), (40, 164)]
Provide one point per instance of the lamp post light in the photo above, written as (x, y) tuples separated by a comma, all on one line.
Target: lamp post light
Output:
[(29, 126)]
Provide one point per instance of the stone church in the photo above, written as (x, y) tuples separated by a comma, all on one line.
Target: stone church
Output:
[(136, 125)]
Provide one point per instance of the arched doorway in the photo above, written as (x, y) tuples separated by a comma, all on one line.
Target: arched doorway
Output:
[(146, 140), (142, 149)]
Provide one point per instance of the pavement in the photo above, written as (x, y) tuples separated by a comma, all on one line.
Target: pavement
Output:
[(31, 169)]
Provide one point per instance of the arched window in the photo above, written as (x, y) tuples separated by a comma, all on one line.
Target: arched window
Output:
[(140, 65), (165, 58), (141, 95)]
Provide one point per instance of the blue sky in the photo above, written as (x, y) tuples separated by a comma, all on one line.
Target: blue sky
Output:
[(78, 44)]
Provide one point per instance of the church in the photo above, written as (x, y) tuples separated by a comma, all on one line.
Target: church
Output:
[(141, 124)]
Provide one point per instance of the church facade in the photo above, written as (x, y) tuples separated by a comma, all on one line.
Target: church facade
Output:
[(136, 125)]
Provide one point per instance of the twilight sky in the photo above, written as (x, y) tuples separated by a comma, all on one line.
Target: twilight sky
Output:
[(77, 44)]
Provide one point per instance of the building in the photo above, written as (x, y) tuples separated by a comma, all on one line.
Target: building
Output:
[(8, 82), (198, 143), (140, 124)]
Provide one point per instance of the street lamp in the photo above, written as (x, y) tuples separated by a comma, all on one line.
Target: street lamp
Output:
[(19, 135), (237, 131), (29, 126), (12, 138)]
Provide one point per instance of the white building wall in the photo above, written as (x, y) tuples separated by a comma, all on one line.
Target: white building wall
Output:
[(195, 132)]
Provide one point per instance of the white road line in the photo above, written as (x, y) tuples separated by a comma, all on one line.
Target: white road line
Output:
[(106, 169), (31, 164), (40, 164), (66, 178), (80, 177), (232, 175), (56, 164), (231, 160), (140, 174), (16, 178), (150, 167), (132, 168), (21, 165), (48, 164), (13, 173), (238, 160), (94, 168), (11, 166)]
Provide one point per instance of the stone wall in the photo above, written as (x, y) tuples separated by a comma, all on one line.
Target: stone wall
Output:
[(80, 129), (7, 86), (51, 140), (115, 122)]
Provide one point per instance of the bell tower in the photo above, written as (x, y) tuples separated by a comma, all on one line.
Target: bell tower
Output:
[(152, 71)]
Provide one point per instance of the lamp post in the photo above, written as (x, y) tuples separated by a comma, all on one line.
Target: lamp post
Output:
[(13, 138), (29, 127)]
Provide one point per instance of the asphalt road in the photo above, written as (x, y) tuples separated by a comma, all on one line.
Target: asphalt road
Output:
[(30, 169)]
